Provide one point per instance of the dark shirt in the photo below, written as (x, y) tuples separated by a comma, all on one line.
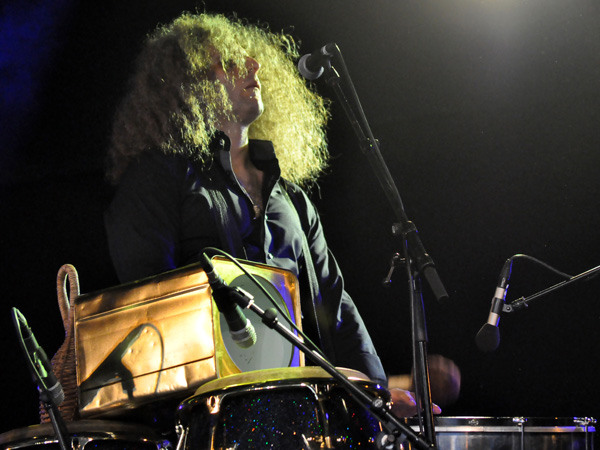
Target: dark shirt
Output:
[(161, 219)]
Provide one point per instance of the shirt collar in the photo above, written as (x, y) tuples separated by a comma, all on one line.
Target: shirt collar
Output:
[(262, 153)]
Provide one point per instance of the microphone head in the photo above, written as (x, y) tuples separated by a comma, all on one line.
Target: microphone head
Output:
[(246, 337), (488, 338), (308, 72)]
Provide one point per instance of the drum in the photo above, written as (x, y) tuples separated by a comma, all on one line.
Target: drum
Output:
[(290, 408), (83, 435), (513, 433)]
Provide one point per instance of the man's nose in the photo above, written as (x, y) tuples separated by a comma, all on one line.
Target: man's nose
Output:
[(252, 65)]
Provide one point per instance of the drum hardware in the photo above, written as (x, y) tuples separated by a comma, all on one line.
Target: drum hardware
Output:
[(586, 423), (518, 433), (389, 441), (520, 421), (181, 436)]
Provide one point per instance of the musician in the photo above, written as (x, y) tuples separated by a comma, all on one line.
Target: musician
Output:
[(213, 146)]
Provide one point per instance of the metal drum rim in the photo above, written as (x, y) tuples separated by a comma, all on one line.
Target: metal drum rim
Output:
[(100, 429)]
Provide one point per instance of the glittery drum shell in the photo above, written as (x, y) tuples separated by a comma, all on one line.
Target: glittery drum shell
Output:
[(285, 414)]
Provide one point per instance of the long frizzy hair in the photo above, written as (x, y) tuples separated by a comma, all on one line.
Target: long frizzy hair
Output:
[(173, 105)]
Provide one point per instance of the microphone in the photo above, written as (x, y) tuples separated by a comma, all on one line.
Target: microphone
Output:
[(488, 337), (311, 65), (240, 328), (41, 367)]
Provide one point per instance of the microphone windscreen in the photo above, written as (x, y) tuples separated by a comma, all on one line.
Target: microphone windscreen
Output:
[(488, 338), (246, 337)]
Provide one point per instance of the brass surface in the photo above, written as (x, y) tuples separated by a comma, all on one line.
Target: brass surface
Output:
[(165, 331), (272, 375)]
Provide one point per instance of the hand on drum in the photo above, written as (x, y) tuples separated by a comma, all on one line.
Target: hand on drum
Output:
[(444, 378), (404, 405)]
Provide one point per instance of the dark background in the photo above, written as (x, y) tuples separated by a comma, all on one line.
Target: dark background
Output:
[(488, 114)]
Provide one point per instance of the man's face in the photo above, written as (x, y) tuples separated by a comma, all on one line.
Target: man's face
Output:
[(243, 90)]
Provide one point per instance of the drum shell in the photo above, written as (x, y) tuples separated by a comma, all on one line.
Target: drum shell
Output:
[(90, 434), (503, 433), (306, 411)]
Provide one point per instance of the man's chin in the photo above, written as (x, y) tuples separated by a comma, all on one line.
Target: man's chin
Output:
[(251, 115)]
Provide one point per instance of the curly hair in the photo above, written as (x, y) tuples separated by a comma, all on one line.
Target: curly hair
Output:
[(173, 105)]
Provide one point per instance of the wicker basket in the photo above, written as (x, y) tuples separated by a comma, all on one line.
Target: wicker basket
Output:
[(64, 362)]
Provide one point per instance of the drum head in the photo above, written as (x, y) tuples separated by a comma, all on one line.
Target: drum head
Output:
[(271, 349)]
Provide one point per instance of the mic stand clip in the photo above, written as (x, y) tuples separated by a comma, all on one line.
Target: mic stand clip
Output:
[(523, 302), (58, 423)]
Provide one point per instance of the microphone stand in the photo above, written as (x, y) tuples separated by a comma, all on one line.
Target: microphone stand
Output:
[(523, 302), (58, 423), (417, 261), (48, 399), (397, 430)]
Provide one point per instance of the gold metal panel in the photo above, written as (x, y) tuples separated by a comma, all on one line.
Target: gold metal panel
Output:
[(140, 342)]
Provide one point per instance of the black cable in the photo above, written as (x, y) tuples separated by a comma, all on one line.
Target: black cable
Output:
[(542, 263)]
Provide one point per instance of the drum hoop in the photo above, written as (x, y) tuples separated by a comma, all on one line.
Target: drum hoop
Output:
[(267, 379), (302, 375), (513, 429), (456, 424), (94, 429)]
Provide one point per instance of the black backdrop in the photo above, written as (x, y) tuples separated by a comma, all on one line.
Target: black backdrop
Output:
[(488, 116)]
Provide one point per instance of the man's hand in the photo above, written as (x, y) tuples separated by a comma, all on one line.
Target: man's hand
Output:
[(404, 405), (444, 378)]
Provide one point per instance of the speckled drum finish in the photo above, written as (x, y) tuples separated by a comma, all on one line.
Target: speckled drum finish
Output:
[(291, 408)]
